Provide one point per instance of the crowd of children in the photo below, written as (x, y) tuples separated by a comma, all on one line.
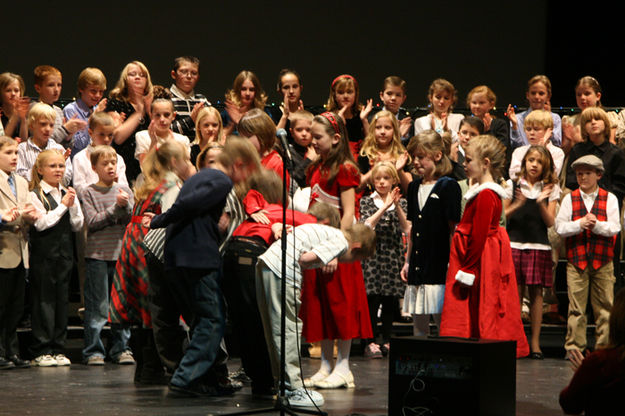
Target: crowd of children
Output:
[(154, 190)]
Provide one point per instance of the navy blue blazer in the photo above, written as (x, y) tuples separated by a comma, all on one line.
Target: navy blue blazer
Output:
[(192, 238)]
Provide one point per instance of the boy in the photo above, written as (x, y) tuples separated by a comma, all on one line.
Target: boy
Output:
[(301, 149), (308, 246), (91, 86), (393, 95), (40, 121), (589, 220), (108, 207), (17, 212), (186, 74), (101, 127), (48, 84), (538, 128)]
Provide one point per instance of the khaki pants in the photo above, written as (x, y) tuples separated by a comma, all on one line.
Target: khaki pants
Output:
[(600, 284)]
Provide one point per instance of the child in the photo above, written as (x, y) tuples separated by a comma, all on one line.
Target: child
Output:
[(162, 115), (384, 211), (393, 95), (208, 129), (539, 95), (433, 209), (14, 105), (334, 303), (481, 100), (48, 83), (101, 127), (290, 88), (302, 151), (442, 96), (481, 298), (538, 126), (191, 254), (132, 96), (308, 246), (470, 127), (589, 220), (17, 212), (187, 103), (530, 210), (129, 294), (208, 157), (383, 143), (91, 86), (344, 100), (246, 94), (40, 120), (107, 208), (52, 250)]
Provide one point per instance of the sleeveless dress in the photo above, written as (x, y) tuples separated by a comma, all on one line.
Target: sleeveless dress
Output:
[(129, 293), (334, 305)]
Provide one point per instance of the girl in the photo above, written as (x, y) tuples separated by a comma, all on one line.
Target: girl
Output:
[(162, 115), (383, 143), (530, 209), (344, 100), (290, 88), (470, 127), (257, 126), (132, 96), (52, 248), (538, 95), (587, 94), (481, 100), (208, 156), (334, 303), (481, 298), (442, 96), (129, 294), (384, 211), (208, 129), (246, 94), (433, 209), (14, 105)]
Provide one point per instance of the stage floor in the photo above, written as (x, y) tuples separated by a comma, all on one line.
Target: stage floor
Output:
[(110, 391)]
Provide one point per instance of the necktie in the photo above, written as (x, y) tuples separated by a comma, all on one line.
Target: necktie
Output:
[(11, 182)]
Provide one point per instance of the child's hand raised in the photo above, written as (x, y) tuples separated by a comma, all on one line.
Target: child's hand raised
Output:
[(519, 197), (546, 137), (10, 215), (401, 161), (30, 213), (22, 107), (67, 153), (234, 112), (588, 222), (404, 126), (512, 116), (101, 106), (487, 120), (196, 109), (544, 195), (311, 154), (74, 124), (453, 151), (69, 197), (122, 198), (364, 113)]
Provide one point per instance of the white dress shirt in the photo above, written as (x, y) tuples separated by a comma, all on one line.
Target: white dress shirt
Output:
[(566, 227), (49, 219)]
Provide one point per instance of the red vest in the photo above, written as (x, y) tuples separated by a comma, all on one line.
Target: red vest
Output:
[(587, 248)]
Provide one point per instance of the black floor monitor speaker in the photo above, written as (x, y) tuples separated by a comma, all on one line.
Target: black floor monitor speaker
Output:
[(451, 376)]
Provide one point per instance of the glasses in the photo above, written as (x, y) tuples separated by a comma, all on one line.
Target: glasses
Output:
[(137, 74), (56, 165), (188, 73)]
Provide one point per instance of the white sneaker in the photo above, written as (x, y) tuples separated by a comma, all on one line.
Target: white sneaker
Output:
[(304, 398), (125, 358), (95, 360), (62, 360), (44, 361)]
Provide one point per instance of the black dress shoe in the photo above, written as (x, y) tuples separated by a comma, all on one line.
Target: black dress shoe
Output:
[(6, 364), (18, 362), (537, 356)]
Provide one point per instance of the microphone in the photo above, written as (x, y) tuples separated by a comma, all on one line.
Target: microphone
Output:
[(281, 133)]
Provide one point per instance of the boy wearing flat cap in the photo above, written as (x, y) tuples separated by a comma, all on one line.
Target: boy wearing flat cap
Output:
[(589, 220)]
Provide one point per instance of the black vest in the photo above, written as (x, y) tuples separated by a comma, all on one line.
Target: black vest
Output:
[(526, 225), (56, 240)]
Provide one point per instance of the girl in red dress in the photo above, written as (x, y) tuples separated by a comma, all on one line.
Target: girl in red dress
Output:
[(334, 299), (481, 298)]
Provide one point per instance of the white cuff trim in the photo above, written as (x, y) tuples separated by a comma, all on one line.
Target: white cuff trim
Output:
[(465, 278)]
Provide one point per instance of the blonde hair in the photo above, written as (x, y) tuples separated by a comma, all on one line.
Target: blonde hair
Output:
[(268, 184), (102, 152), (540, 78), (237, 148), (441, 84), (234, 94), (40, 110), (7, 141), (323, 211), (430, 143), (36, 177), (482, 89), (363, 234), (100, 119), (201, 115), (120, 92), (42, 72), (200, 160), (156, 164), (8, 77), (300, 115), (341, 83), (594, 113), (540, 118), (388, 167), (257, 123), (91, 76), (548, 174), (370, 147), (487, 146)]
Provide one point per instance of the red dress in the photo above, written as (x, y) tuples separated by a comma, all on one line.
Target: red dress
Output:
[(490, 308), (334, 306)]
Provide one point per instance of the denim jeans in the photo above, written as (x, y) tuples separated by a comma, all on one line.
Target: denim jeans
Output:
[(99, 274)]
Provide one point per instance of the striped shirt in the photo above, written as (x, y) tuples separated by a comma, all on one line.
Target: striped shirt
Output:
[(106, 221), (84, 175), (154, 240), (326, 242), (234, 208), (183, 104), (27, 153)]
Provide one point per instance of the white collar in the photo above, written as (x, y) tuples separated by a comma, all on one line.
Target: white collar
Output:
[(378, 202), (47, 188), (476, 189), (591, 195), (177, 91)]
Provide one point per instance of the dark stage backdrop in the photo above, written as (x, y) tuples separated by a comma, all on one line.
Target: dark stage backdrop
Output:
[(498, 43)]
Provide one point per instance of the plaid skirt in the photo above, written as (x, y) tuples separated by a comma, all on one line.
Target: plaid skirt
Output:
[(533, 267)]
